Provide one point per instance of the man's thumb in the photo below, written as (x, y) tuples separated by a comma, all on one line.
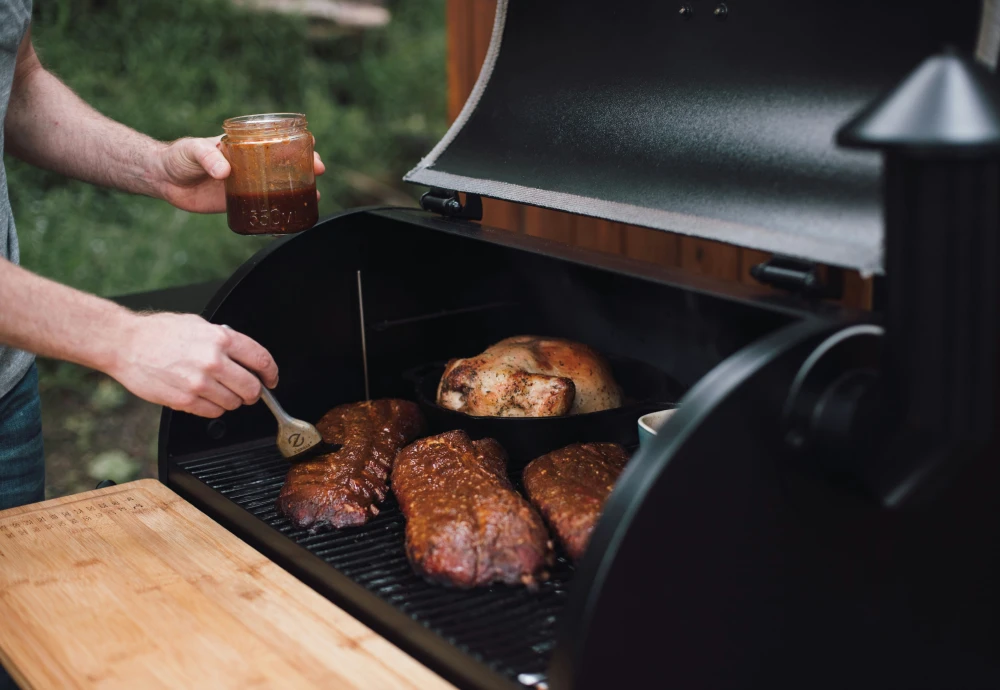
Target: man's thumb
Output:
[(206, 152)]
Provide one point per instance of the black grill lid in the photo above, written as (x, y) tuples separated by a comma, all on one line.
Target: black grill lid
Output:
[(717, 125)]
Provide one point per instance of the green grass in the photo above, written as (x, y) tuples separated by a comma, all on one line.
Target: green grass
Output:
[(375, 102)]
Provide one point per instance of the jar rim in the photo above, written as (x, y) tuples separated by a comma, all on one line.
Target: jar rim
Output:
[(264, 120)]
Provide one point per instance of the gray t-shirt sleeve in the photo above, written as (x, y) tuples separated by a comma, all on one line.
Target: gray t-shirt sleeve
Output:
[(15, 16)]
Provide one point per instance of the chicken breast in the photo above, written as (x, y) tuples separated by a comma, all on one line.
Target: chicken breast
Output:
[(529, 376)]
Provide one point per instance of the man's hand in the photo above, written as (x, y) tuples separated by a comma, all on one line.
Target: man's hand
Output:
[(177, 360), (189, 174), (49, 126), (188, 364)]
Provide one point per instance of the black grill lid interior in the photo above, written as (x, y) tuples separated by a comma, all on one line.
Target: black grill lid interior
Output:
[(720, 127)]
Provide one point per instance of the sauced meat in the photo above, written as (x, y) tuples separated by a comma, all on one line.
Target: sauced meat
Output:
[(342, 489), (465, 524), (570, 487)]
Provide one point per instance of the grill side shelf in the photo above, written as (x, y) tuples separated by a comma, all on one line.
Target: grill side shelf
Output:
[(478, 639)]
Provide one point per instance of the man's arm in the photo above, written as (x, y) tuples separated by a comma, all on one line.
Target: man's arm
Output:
[(51, 127), (177, 360), (181, 361)]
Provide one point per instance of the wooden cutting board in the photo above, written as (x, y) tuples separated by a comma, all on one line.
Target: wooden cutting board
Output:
[(132, 587)]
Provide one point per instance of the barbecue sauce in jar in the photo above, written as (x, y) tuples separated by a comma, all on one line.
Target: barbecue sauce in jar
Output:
[(272, 187)]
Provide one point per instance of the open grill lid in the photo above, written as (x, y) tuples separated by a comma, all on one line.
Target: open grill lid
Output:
[(709, 119)]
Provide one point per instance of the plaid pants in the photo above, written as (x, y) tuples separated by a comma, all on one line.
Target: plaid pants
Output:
[(22, 463)]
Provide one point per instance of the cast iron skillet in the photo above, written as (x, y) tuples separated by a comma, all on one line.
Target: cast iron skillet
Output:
[(645, 388)]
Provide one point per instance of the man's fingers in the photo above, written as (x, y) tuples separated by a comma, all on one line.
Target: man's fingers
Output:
[(204, 408), (253, 356), (240, 381), (318, 164), (208, 155), (220, 395)]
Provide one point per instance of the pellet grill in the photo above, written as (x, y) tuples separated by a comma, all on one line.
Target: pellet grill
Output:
[(824, 509)]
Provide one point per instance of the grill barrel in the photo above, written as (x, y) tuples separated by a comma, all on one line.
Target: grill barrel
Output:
[(302, 305), (491, 638)]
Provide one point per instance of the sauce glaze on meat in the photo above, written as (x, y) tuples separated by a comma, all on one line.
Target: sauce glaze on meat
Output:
[(343, 489), (570, 486), (466, 526)]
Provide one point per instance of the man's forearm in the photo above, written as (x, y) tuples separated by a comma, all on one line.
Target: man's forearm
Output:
[(52, 320), (50, 126), (178, 360)]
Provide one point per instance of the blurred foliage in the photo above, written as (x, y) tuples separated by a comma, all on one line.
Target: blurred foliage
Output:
[(375, 101)]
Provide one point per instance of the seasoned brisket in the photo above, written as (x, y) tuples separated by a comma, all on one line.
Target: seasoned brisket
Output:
[(570, 487), (465, 524)]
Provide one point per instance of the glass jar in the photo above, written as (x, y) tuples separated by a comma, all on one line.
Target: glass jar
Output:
[(272, 187)]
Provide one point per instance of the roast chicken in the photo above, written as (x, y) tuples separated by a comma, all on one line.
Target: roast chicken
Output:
[(529, 376)]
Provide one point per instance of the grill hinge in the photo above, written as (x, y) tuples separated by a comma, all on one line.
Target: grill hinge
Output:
[(447, 203), (800, 277)]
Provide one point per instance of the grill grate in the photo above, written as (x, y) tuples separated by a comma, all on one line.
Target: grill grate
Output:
[(511, 630)]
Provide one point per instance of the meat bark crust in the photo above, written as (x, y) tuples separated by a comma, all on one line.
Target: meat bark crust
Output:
[(466, 526), (570, 486), (342, 489), (529, 376)]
